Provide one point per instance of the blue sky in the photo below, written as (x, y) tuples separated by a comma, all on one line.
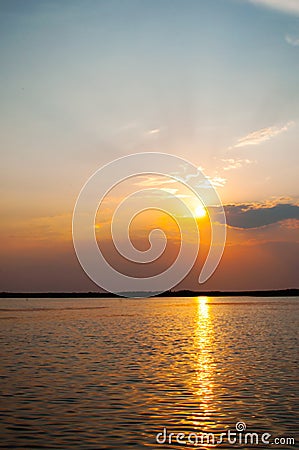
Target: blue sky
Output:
[(83, 82)]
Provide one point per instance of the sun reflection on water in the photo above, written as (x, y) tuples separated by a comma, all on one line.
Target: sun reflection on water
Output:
[(203, 307), (204, 365)]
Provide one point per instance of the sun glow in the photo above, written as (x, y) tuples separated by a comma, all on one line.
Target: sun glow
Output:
[(200, 212)]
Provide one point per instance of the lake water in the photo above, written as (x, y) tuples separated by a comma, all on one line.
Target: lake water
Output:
[(112, 373)]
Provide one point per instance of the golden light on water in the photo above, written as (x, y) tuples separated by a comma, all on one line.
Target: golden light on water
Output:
[(203, 307), (205, 361), (203, 383)]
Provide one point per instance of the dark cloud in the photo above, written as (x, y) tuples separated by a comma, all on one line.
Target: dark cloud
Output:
[(254, 216)]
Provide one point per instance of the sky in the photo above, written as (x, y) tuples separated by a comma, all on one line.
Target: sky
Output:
[(85, 82)]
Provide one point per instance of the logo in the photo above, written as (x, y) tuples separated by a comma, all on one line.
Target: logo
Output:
[(158, 196)]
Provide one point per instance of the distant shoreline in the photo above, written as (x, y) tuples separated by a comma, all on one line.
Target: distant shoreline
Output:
[(184, 293)]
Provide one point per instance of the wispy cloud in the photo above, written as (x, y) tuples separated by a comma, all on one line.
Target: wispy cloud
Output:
[(231, 163), (288, 6), (152, 181), (217, 181), (199, 180), (259, 136), (170, 190), (153, 131), (292, 40)]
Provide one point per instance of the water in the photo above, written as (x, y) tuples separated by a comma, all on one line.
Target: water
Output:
[(111, 374)]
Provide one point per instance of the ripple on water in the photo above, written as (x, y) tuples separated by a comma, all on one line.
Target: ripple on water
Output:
[(110, 374)]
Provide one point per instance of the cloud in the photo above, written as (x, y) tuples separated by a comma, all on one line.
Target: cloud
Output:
[(217, 181), (255, 215), (287, 6), (207, 182), (152, 181), (259, 136), (153, 131), (292, 40), (231, 163), (170, 191), (204, 181)]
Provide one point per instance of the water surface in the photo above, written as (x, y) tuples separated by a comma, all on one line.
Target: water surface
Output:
[(112, 373)]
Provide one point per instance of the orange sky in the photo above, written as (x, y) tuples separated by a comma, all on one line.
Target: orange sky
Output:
[(39, 254)]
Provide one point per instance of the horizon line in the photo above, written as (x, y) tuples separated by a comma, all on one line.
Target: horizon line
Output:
[(180, 293)]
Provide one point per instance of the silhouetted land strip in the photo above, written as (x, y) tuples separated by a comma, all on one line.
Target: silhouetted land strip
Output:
[(185, 293)]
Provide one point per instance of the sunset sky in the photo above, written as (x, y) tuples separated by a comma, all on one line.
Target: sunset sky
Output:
[(212, 81)]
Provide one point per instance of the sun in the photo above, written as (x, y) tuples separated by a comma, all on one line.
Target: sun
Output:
[(200, 212)]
